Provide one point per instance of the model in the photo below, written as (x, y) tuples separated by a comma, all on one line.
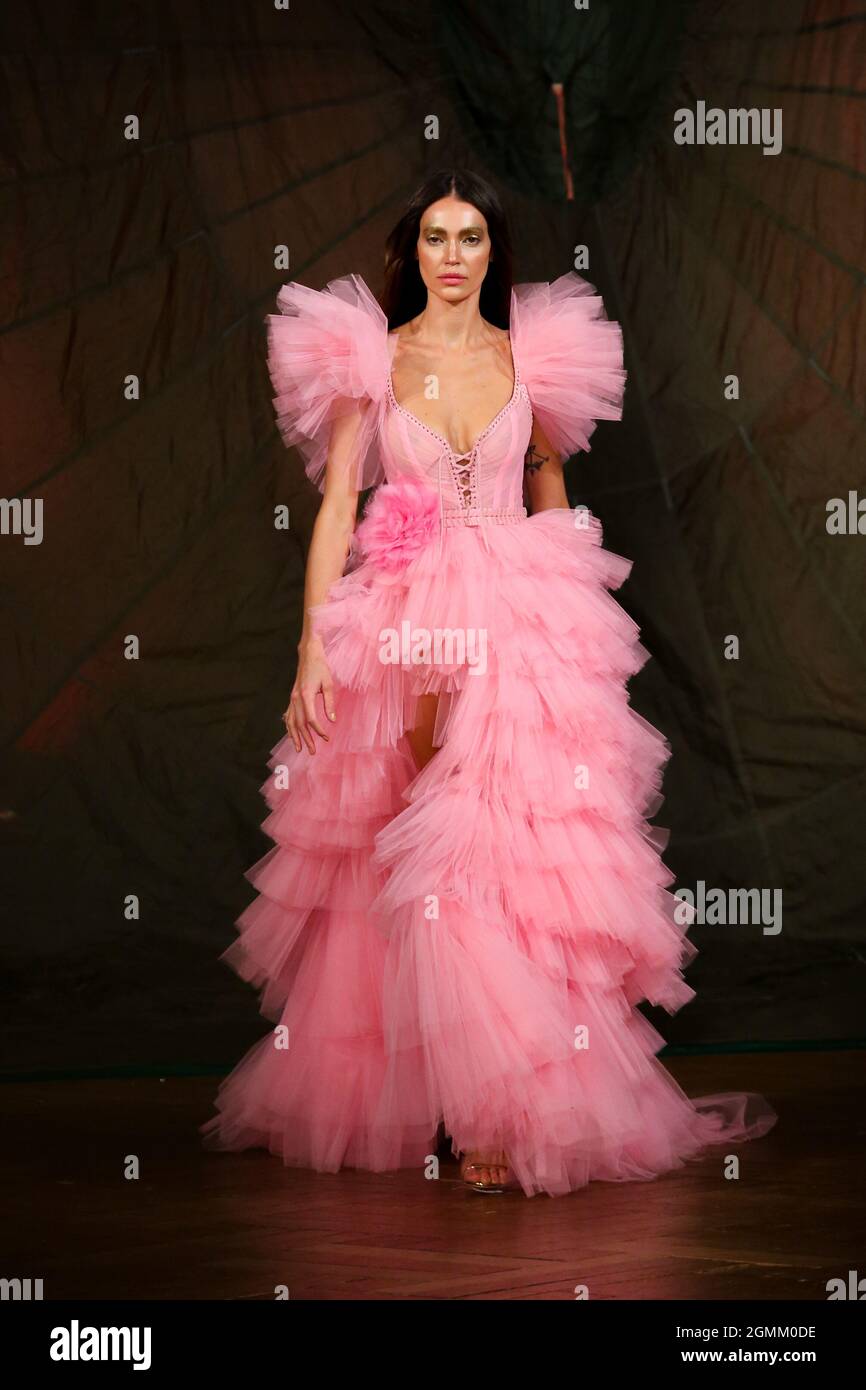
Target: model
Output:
[(464, 902)]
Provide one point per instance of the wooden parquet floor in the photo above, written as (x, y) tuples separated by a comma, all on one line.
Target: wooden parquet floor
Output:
[(202, 1225)]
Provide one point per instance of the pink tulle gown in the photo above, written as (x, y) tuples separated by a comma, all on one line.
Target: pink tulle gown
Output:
[(467, 944)]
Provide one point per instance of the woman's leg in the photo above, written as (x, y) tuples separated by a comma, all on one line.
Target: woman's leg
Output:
[(421, 737), (488, 1167)]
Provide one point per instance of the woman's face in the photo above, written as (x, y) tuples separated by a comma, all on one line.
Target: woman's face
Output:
[(453, 249)]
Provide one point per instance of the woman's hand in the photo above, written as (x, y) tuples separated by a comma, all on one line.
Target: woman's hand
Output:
[(313, 678)]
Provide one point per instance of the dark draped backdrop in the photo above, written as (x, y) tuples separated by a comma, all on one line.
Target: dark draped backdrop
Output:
[(154, 155)]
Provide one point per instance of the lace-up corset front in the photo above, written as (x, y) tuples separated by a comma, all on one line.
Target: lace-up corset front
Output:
[(485, 484), (463, 468)]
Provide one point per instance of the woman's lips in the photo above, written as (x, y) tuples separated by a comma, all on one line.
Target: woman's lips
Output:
[(453, 279)]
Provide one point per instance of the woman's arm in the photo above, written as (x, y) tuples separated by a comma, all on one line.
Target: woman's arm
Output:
[(329, 547), (543, 471)]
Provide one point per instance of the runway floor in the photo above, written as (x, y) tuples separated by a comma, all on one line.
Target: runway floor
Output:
[(203, 1225)]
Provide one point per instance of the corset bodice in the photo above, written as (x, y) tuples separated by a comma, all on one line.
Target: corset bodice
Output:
[(488, 478)]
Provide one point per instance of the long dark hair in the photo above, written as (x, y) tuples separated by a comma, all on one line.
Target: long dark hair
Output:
[(405, 293)]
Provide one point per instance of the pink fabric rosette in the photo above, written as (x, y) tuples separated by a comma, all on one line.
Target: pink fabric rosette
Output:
[(401, 518)]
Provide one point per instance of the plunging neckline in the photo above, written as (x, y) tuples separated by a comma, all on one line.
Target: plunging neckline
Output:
[(410, 415)]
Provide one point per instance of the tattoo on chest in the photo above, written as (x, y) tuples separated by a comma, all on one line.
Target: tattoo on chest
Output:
[(533, 460)]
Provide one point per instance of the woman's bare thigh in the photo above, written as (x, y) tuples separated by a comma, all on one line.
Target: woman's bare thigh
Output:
[(421, 737)]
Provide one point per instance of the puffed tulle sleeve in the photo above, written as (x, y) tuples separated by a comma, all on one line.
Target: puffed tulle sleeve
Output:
[(570, 358), (328, 357)]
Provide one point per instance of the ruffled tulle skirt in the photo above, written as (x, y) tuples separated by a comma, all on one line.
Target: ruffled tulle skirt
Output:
[(467, 945)]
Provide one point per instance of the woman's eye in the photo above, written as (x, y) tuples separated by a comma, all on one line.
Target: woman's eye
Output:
[(472, 240)]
